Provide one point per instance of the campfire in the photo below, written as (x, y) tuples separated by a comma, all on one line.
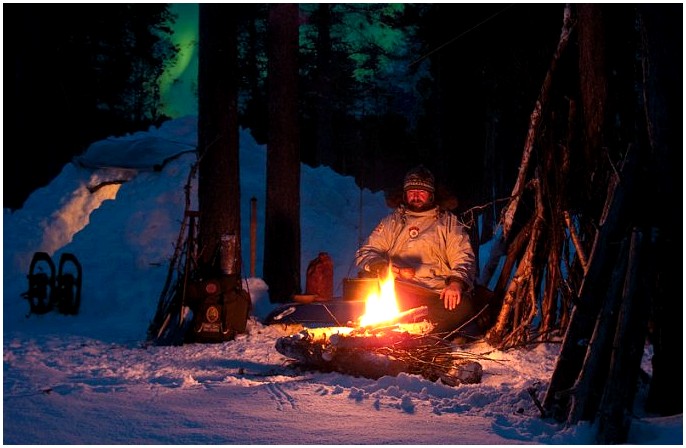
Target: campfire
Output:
[(382, 311), (382, 305), (383, 341)]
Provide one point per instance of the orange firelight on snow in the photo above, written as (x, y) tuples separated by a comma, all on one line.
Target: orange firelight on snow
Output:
[(381, 305)]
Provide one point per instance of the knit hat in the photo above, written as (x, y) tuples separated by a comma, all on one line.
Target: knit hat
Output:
[(419, 178)]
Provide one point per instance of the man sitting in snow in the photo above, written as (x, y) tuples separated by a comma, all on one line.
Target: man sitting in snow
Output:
[(429, 251)]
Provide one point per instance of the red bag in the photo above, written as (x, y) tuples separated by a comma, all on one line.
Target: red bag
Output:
[(320, 277)]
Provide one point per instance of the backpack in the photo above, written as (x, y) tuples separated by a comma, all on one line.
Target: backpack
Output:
[(220, 308)]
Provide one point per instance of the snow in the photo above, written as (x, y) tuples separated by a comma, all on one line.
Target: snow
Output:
[(91, 379)]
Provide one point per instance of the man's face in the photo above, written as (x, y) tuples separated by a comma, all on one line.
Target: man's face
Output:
[(417, 199)]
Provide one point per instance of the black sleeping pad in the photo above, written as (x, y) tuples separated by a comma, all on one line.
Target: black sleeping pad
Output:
[(332, 313)]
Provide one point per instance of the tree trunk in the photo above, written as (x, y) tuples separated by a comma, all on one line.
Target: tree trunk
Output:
[(282, 215), (218, 186)]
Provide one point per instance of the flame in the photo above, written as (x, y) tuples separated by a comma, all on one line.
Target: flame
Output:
[(381, 305)]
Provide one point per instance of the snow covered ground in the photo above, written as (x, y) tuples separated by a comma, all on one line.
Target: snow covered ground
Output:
[(90, 379)]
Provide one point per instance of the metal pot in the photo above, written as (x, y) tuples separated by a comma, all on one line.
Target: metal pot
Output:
[(359, 288)]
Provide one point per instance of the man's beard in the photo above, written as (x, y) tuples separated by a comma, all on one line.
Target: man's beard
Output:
[(418, 206)]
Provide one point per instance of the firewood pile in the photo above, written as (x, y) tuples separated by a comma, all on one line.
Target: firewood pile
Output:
[(384, 349)]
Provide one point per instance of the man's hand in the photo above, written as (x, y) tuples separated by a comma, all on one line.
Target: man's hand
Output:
[(451, 295), (406, 273), (378, 268)]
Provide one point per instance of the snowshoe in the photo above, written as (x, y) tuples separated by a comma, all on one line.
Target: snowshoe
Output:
[(41, 292), (68, 287)]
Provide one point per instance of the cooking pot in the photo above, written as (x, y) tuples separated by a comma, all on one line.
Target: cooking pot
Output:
[(359, 288)]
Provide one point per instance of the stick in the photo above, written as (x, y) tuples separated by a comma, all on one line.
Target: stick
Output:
[(405, 316), (577, 244)]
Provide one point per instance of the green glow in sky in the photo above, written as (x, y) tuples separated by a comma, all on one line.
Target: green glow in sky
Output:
[(179, 85), (362, 30)]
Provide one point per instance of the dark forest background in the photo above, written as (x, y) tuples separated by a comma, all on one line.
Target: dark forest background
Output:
[(382, 87)]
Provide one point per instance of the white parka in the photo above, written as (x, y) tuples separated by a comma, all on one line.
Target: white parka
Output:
[(433, 242)]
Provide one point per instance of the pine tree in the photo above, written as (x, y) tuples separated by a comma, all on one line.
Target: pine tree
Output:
[(282, 214)]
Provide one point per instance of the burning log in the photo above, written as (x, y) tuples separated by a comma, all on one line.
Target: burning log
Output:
[(392, 336), (380, 351), (411, 315)]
